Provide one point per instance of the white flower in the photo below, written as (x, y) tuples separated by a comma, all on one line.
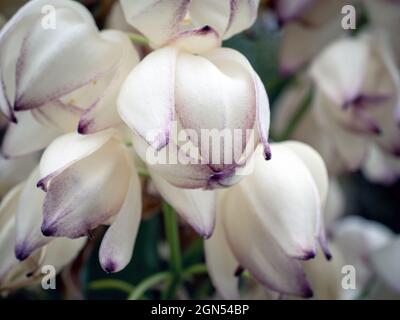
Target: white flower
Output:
[(169, 22), (216, 90), (23, 249), (58, 80), (91, 180), (266, 224), (358, 96), (308, 26)]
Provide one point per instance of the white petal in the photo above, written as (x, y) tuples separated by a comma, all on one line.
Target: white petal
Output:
[(284, 197), (29, 217), (227, 17), (27, 136), (338, 74), (257, 250), (147, 99), (103, 113), (315, 165), (36, 75), (117, 245), (215, 93), (221, 263), (13, 171), (157, 20), (8, 208), (196, 206), (60, 252), (87, 193), (224, 56), (67, 150)]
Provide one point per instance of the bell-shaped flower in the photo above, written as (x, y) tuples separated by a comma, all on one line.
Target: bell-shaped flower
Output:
[(35, 49), (266, 224), (174, 101), (308, 26), (271, 221), (169, 22), (358, 96), (20, 217), (90, 180)]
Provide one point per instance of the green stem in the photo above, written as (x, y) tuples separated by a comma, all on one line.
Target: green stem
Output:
[(297, 117), (111, 284), (195, 269), (138, 39), (172, 234), (147, 283)]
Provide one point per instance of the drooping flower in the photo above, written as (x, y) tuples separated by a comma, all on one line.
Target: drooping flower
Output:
[(20, 216), (358, 96), (166, 22), (90, 180), (266, 224), (216, 90), (57, 80)]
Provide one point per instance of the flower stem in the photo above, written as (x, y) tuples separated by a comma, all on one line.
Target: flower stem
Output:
[(111, 284), (195, 269), (172, 234), (138, 39), (147, 284)]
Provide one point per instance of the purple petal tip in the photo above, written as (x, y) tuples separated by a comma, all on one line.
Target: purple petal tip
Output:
[(110, 266), (48, 231), (22, 252)]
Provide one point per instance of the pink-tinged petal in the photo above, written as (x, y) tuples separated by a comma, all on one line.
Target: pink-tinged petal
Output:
[(339, 75), (196, 206), (88, 193), (66, 150), (29, 215), (288, 10), (158, 20), (103, 113), (284, 197), (197, 41), (13, 171), (262, 109), (300, 44), (32, 77), (257, 250), (216, 93), (385, 262), (28, 136), (147, 99), (117, 245), (221, 263)]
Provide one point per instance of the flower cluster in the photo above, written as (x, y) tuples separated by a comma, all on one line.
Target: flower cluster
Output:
[(86, 109)]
